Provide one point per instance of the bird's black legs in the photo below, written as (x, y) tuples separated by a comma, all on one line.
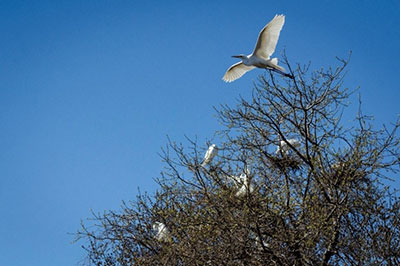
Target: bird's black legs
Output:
[(282, 73)]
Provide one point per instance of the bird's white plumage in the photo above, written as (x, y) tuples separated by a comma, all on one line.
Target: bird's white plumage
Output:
[(285, 148), (246, 186), (210, 154), (236, 71), (265, 47), (162, 232), (243, 184), (268, 37)]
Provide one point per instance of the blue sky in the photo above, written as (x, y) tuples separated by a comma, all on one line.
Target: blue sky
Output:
[(89, 90)]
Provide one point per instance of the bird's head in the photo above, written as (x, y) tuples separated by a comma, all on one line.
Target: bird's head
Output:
[(241, 56)]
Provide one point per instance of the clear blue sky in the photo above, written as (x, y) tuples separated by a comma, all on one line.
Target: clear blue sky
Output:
[(90, 89)]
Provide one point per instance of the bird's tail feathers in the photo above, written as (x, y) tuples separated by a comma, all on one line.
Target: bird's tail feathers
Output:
[(274, 61)]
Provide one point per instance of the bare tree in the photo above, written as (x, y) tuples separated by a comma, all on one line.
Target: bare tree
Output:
[(313, 192)]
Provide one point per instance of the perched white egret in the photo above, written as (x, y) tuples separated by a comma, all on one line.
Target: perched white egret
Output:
[(285, 148), (162, 232), (210, 154), (243, 183), (238, 180), (260, 57)]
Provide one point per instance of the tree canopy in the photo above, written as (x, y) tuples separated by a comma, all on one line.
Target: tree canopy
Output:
[(290, 185)]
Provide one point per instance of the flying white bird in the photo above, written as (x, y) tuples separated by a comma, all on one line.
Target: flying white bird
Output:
[(210, 154), (162, 232), (285, 148), (260, 57)]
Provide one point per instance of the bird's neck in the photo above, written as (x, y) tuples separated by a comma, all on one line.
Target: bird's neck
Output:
[(246, 60)]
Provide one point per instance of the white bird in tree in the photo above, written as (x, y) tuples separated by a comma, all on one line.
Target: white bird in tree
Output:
[(210, 154), (265, 47), (246, 186), (243, 183), (285, 148), (162, 232)]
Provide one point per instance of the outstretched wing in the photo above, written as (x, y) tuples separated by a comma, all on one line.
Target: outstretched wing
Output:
[(236, 71), (268, 37)]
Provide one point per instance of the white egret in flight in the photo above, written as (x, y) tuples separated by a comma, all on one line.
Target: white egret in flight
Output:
[(260, 57), (210, 154), (285, 148), (162, 232)]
